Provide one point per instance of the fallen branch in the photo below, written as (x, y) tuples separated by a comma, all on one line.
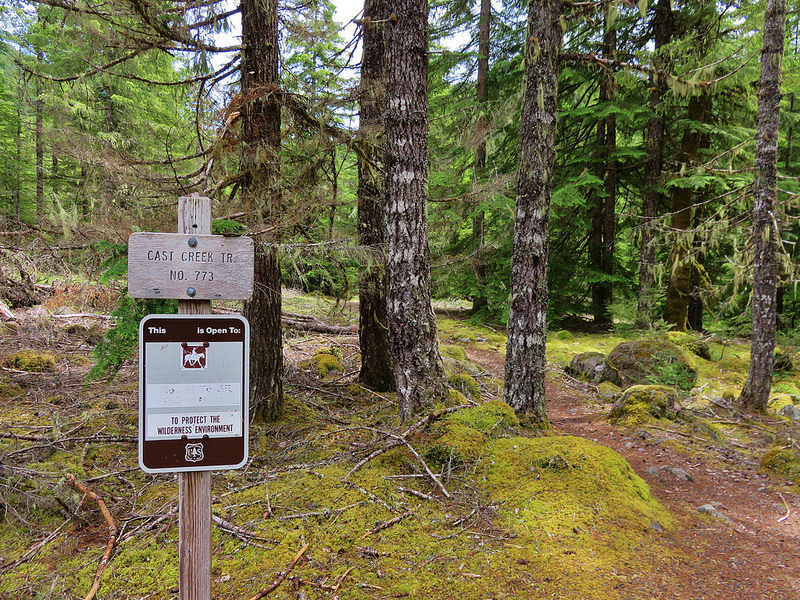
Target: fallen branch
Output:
[(387, 524), (113, 531), (283, 575), (6, 313), (308, 323), (786, 506), (82, 316), (240, 532), (416, 493), (321, 513), (341, 580)]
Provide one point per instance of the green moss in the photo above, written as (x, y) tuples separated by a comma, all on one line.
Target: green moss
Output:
[(779, 402), (783, 462), (690, 343), (464, 383), (323, 364), (30, 360), (9, 389), (486, 416), (709, 429), (558, 485), (641, 403), (453, 351), (608, 391), (563, 335), (334, 351)]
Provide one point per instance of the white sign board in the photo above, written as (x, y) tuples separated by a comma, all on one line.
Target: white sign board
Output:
[(193, 392)]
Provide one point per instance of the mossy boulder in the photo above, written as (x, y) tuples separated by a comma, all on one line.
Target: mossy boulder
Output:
[(92, 335), (653, 362), (561, 485), (31, 360), (710, 430), (464, 383), (453, 351), (463, 435), (9, 389), (641, 403), (689, 343), (323, 363), (607, 391), (334, 351), (563, 335), (783, 462), (593, 366)]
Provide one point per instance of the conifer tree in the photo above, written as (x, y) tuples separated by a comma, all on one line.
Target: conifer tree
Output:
[(765, 235), (419, 374), (527, 321)]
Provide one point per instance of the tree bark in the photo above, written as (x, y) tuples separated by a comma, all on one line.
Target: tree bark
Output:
[(527, 321), (18, 140), (479, 300), (680, 259), (39, 147), (662, 32), (261, 192), (601, 244), (419, 375), (373, 333), (765, 234)]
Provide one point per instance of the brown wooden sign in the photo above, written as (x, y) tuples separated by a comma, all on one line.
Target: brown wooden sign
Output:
[(190, 267), (193, 392)]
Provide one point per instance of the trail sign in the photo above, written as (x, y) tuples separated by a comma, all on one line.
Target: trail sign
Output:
[(190, 266), (193, 392)]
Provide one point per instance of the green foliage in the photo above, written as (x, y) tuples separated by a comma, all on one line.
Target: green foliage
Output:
[(121, 342), (116, 264), (227, 227)]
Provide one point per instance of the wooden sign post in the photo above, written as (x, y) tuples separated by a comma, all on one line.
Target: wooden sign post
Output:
[(194, 495), (194, 267)]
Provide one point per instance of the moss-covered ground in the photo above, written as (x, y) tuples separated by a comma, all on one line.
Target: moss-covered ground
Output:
[(509, 512)]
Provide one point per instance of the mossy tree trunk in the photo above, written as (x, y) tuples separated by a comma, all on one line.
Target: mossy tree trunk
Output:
[(662, 32), (419, 374), (765, 234), (527, 321), (373, 333), (680, 264), (261, 193)]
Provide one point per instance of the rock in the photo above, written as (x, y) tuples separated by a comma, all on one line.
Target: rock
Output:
[(593, 366), (678, 473), (791, 411), (690, 343), (608, 391), (710, 509), (654, 362), (640, 403), (464, 383), (783, 462), (656, 525)]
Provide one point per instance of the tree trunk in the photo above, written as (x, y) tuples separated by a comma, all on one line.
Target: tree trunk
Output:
[(39, 148), (18, 140), (419, 374), (759, 377), (601, 242), (790, 136), (261, 192), (373, 333), (680, 260), (694, 316), (662, 31), (527, 320), (479, 300), (110, 127)]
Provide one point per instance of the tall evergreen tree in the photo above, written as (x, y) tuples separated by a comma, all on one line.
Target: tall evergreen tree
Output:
[(418, 370), (759, 376), (261, 192), (376, 362), (527, 320)]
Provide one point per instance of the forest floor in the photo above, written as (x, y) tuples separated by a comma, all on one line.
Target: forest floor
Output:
[(508, 512)]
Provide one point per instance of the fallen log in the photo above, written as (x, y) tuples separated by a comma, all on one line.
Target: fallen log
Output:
[(308, 323)]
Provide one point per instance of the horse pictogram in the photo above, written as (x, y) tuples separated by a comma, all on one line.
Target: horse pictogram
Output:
[(194, 356)]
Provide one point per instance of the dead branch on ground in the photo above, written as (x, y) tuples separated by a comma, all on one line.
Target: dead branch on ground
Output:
[(282, 576)]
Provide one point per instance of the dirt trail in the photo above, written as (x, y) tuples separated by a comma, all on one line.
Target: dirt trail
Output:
[(750, 552)]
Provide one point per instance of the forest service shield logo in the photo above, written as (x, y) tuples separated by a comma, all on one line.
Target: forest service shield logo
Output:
[(194, 452)]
